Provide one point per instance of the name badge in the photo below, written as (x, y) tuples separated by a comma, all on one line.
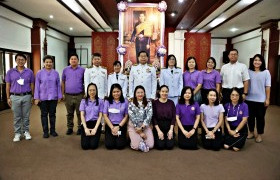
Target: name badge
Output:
[(114, 111), (232, 118), (20, 81)]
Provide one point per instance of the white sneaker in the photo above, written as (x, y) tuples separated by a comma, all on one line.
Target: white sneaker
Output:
[(27, 135), (17, 137)]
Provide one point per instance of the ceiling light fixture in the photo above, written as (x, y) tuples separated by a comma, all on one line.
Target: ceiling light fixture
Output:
[(234, 29), (180, 1), (248, 1), (73, 5), (51, 16), (217, 22), (71, 29), (173, 13)]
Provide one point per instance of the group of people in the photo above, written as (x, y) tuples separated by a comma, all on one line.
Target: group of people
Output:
[(219, 103)]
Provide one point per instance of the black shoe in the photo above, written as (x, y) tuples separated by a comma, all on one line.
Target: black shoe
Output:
[(46, 135), (54, 134), (79, 131), (69, 132)]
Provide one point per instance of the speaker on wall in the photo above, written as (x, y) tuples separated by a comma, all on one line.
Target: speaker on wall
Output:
[(225, 57)]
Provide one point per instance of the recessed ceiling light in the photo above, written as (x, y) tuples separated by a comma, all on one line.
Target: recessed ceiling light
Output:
[(173, 14), (71, 29), (129, 0), (182, 27), (216, 22), (51, 16), (234, 29), (180, 1)]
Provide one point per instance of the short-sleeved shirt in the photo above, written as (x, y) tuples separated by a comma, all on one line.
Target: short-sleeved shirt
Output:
[(233, 75), (211, 114), (74, 79), (91, 110), (12, 77), (210, 79), (258, 82), (192, 79), (187, 113), (240, 110), (115, 111)]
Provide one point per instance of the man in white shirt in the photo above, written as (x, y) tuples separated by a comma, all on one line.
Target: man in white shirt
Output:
[(143, 74), (234, 74), (97, 75), (117, 77)]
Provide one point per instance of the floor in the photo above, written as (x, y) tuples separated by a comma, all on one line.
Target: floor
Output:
[(62, 157)]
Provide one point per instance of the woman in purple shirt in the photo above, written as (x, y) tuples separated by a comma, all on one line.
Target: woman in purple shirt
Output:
[(236, 115), (211, 79), (47, 94), (164, 117), (91, 113), (187, 118), (192, 77), (258, 96), (115, 113), (212, 116)]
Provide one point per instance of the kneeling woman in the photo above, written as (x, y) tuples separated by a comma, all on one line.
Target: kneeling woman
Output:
[(187, 117), (115, 113), (164, 117), (212, 116), (91, 113), (140, 113), (236, 119)]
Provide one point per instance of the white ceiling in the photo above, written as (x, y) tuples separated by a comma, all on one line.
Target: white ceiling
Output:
[(64, 19)]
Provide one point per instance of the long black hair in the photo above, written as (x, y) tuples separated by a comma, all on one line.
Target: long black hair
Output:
[(214, 61), (190, 58), (252, 67), (216, 103), (111, 98), (182, 99), (163, 86), (145, 101), (168, 58), (96, 95)]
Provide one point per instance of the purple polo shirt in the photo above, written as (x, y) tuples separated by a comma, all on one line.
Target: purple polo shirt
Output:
[(192, 79), (74, 79), (187, 113), (115, 111), (211, 114), (241, 110), (210, 79), (47, 85), (13, 75), (91, 110)]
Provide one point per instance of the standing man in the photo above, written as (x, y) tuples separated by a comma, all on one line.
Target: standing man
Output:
[(117, 77), (72, 87), (19, 90), (234, 74), (143, 74), (96, 75)]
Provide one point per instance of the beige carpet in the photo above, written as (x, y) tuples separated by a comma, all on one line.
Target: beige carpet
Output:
[(62, 157)]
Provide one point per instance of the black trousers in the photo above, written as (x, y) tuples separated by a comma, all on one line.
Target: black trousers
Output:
[(204, 93), (115, 142), (90, 142), (48, 109), (164, 126), (187, 143), (214, 144), (226, 94), (257, 112), (237, 142)]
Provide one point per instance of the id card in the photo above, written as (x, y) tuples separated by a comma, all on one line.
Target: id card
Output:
[(232, 118), (20, 82), (114, 111)]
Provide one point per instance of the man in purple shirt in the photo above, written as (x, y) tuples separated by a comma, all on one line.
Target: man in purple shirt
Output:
[(72, 87), (19, 91)]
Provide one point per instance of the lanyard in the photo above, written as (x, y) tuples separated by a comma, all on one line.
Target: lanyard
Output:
[(233, 110)]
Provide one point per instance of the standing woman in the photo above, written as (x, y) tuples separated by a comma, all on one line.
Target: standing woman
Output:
[(47, 94), (187, 118), (115, 113), (211, 79), (236, 115), (212, 116), (91, 113), (258, 97), (140, 113), (172, 77), (164, 117), (193, 78)]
